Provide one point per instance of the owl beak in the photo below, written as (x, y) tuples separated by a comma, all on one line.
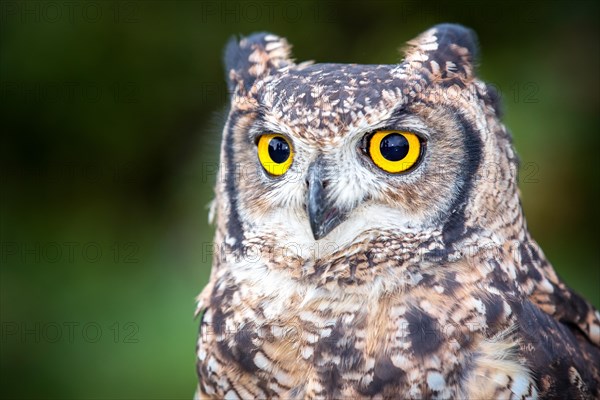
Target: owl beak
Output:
[(323, 215)]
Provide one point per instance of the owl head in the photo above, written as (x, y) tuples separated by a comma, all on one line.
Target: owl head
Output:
[(342, 152)]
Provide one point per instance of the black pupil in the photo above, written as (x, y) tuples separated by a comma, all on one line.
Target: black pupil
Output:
[(394, 147), (279, 150)]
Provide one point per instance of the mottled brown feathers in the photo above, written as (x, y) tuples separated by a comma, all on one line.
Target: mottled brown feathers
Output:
[(431, 287)]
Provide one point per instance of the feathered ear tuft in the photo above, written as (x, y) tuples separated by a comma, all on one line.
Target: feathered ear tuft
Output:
[(254, 57), (447, 51)]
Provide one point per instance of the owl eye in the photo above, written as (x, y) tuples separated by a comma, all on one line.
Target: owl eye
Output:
[(394, 151), (275, 153)]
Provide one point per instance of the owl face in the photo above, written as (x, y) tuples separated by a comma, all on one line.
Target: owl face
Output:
[(328, 151)]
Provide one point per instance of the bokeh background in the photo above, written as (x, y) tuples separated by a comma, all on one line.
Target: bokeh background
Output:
[(110, 123)]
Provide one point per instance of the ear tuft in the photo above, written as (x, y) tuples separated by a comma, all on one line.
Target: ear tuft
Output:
[(447, 51), (254, 57)]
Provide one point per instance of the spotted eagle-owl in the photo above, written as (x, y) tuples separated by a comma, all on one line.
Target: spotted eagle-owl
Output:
[(370, 240)]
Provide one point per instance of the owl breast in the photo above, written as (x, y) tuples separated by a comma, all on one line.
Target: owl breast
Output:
[(267, 335)]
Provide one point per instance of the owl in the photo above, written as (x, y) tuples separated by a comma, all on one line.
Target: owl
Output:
[(370, 240)]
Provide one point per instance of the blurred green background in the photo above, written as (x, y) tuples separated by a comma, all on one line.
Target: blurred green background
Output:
[(110, 121)]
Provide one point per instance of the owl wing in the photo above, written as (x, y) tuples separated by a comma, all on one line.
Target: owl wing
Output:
[(562, 360), (559, 301), (561, 331)]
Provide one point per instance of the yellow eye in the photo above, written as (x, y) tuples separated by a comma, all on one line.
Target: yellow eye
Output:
[(275, 153), (394, 151)]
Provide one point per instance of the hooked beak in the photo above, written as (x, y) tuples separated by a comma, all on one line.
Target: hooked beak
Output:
[(322, 212)]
